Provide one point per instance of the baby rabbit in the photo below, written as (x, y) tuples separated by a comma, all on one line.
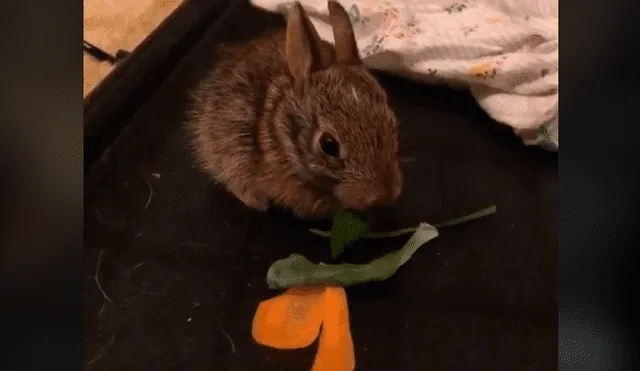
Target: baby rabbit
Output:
[(291, 120)]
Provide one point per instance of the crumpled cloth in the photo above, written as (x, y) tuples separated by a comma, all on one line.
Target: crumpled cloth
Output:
[(504, 51)]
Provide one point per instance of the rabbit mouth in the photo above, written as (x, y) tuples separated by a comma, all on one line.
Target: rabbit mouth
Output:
[(363, 199)]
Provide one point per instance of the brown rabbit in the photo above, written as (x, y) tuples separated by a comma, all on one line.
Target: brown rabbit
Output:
[(291, 120)]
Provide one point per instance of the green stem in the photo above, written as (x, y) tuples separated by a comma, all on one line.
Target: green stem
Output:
[(399, 232), (467, 218)]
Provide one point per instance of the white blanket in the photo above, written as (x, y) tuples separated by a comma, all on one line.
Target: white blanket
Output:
[(505, 51)]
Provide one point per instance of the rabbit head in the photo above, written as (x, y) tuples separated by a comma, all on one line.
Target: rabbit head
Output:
[(336, 124)]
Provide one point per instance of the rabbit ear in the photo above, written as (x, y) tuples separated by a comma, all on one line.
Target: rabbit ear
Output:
[(305, 50), (345, 40)]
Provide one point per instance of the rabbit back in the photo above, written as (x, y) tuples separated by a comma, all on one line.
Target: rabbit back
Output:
[(228, 105)]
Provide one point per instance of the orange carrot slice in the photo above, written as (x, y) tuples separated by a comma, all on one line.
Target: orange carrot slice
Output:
[(335, 349), (291, 320)]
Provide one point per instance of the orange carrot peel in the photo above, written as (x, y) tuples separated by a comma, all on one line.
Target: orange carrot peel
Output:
[(295, 318)]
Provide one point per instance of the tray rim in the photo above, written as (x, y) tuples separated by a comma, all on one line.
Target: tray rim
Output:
[(109, 107)]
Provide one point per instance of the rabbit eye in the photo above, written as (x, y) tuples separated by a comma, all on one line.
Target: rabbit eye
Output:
[(329, 145)]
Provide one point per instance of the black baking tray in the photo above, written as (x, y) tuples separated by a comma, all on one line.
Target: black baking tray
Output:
[(182, 264)]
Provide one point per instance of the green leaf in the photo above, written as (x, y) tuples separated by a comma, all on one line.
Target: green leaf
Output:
[(399, 232), (346, 229), (297, 270)]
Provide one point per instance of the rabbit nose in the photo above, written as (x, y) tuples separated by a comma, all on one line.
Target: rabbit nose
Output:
[(371, 193), (385, 196), (366, 199), (394, 184), (386, 193), (372, 199), (396, 190)]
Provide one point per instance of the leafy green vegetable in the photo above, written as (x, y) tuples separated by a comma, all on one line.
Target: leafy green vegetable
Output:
[(346, 229), (399, 232), (297, 270)]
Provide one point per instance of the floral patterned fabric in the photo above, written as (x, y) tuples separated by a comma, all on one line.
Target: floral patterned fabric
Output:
[(505, 51)]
